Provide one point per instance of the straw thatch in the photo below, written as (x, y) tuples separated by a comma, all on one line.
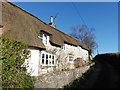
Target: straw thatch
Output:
[(21, 25)]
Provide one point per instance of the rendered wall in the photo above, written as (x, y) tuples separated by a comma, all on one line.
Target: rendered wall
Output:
[(62, 57), (33, 62)]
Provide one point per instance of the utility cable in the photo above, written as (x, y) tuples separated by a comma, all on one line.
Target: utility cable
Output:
[(78, 13)]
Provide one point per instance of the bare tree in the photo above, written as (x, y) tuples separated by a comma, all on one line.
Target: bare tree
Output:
[(85, 35)]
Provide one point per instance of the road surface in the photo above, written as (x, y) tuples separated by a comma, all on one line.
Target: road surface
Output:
[(105, 75)]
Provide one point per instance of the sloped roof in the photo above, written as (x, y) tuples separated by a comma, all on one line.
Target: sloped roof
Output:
[(21, 25)]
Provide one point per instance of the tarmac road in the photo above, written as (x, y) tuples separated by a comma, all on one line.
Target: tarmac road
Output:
[(105, 75)]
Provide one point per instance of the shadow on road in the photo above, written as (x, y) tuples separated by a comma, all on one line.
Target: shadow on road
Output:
[(106, 73)]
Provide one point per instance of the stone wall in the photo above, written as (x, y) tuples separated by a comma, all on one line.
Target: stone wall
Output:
[(59, 79)]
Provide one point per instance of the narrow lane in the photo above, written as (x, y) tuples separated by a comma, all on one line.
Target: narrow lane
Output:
[(104, 76), (108, 76)]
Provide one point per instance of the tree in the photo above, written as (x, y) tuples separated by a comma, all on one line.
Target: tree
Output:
[(85, 35)]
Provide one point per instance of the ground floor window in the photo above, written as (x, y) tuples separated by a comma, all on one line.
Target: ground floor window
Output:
[(71, 58), (47, 59)]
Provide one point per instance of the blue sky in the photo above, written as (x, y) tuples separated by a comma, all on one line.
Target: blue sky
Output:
[(103, 16)]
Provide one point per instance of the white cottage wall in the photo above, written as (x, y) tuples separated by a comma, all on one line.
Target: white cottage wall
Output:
[(33, 62), (62, 56)]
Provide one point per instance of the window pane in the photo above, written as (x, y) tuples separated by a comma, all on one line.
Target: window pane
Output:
[(46, 61), (42, 61), (43, 55), (49, 61), (49, 56), (45, 36), (53, 62), (41, 35), (46, 56), (52, 57), (70, 58)]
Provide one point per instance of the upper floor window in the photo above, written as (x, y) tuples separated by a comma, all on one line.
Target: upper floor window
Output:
[(44, 37), (64, 47)]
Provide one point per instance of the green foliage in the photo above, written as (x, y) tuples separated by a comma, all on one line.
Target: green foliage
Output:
[(12, 57), (79, 81)]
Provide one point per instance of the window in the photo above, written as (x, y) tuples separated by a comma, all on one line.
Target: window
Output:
[(53, 59), (64, 47), (44, 38), (50, 61), (47, 59), (70, 58), (43, 57), (41, 36)]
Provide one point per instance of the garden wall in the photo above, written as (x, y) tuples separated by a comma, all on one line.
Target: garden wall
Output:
[(59, 79)]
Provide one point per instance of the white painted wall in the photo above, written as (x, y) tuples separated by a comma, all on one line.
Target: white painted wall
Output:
[(33, 62), (62, 60)]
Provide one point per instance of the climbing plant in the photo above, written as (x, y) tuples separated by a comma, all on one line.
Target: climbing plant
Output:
[(12, 56)]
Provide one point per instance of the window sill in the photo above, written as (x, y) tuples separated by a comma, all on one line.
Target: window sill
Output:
[(47, 65)]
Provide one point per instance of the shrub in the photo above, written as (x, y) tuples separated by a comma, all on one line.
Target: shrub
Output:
[(78, 62), (13, 55)]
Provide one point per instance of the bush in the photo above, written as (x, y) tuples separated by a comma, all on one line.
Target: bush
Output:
[(13, 55), (78, 62)]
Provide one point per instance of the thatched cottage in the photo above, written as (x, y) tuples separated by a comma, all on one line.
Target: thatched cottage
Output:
[(51, 49)]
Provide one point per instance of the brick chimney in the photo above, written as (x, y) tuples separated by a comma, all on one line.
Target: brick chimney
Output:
[(51, 22)]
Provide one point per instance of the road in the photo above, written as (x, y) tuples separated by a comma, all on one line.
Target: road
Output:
[(105, 75)]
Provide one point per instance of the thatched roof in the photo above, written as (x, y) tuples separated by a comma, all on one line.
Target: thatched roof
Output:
[(21, 25)]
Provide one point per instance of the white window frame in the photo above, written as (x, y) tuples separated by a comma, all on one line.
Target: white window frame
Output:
[(44, 38), (49, 59)]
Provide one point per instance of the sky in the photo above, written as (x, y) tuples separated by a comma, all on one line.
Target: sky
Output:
[(103, 16)]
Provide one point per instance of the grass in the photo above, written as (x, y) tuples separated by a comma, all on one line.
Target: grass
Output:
[(79, 81)]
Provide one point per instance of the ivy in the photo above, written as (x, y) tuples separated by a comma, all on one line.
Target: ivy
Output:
[(12, 55)]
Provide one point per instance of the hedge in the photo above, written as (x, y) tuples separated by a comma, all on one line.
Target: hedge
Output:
[(12, 57)]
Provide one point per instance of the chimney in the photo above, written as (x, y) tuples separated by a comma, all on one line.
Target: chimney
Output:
[(51, 22)]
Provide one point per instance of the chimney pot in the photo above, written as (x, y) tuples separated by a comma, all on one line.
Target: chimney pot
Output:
[(51, 22), (51, 19)]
